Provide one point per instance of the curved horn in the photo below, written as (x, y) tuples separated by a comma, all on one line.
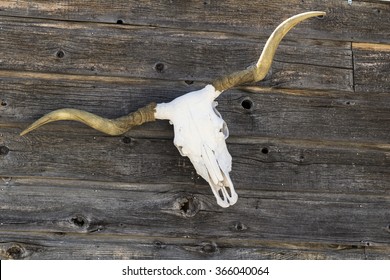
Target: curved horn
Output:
[(257, 72), (109, 126)]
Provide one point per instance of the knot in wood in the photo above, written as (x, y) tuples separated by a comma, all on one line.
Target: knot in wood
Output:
[(4, 150), (209, 248), (188, 206), (15, 252)]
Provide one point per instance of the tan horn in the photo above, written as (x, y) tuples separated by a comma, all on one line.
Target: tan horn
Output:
[(257, 72), (109, 126)]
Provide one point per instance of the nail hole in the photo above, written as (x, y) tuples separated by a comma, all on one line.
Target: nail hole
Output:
[(159, 67), (126, 140), (239, 226), (4, 150), (119, 21), (60, 54), (264, 150), (247, 104), (159, 245), (189, 82), (4, 103), (366, 243), (78, 221)]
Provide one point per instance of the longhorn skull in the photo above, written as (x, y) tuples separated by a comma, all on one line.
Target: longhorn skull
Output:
[(200, 131)]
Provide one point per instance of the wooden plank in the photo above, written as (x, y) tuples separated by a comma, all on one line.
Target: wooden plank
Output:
[(250, 17), (325, 117), (316, 115), (262, 164), (310, 146), (371, 67), (372, 47), (97, 246), (130, 51), (98, 208)]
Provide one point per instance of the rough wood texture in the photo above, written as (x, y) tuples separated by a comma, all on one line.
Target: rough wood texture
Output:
[(134, 51), (310, 143)]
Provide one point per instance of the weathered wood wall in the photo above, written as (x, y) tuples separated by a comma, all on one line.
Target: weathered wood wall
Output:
[(310, 143)]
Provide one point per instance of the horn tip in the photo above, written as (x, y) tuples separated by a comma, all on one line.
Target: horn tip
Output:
[(24, 132)]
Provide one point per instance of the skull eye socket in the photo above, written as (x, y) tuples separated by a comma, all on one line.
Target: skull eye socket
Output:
[(223, 126), (224, 129), (180, 148)]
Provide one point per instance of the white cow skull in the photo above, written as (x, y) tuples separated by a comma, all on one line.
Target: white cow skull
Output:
[(200, 134), (200, 131)]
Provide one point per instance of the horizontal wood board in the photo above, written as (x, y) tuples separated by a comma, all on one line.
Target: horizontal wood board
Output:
[(365, 21), (310, 143)]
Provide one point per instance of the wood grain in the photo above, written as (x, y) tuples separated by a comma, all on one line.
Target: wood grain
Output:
[(43, 205), (87, 49), (310, 143), (98, 246), (257, 17), (257, 165), (372, 67), (316, 115)]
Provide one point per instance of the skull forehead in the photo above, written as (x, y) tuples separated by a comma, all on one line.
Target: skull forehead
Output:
[(195, 119), (202, 96), (200, 100), (197, 122)]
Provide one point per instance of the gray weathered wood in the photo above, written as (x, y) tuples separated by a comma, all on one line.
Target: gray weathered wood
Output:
[(310, 143), (133, 51), (350, 117), (262, 164), (372, 68), (98, 246), (365, 21), (140, 210)]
